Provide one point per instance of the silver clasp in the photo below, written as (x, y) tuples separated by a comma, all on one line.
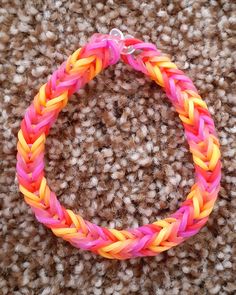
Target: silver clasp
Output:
[(120, 37)]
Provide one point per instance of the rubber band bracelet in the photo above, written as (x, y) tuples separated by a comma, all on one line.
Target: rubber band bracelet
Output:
[(82, 66)]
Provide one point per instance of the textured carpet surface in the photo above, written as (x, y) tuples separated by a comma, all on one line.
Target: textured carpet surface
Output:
[(117, 153)]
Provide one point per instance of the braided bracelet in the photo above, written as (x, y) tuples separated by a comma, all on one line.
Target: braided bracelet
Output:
[(82, 66)]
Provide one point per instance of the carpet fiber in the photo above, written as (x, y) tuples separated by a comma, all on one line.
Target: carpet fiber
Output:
[(117, 153)]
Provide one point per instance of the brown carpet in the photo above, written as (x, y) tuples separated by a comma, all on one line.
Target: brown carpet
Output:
[(117, 153)]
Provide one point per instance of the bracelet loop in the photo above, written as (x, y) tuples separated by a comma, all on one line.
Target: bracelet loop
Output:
[(81, 67)]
